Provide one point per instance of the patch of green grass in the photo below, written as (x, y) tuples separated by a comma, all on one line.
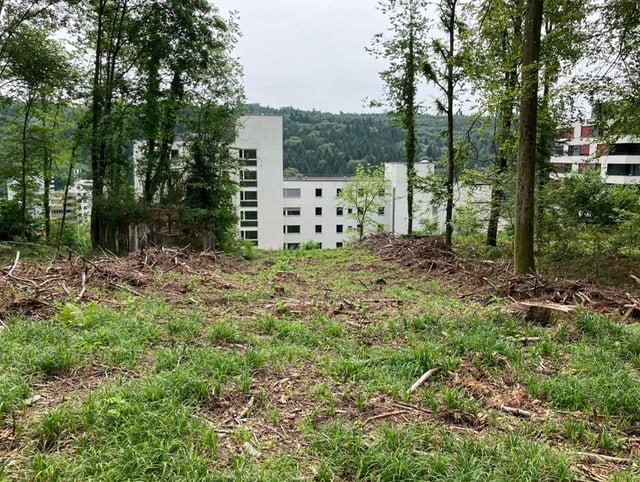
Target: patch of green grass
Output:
[(417, 452), (332, 369), (285, 330), (595, 380), (388, 370), (13, 391)]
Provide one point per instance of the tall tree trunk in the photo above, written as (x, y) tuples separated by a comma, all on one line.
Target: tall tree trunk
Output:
[(97, 153), (451, 155), (410, 125), (25, 161), (47, 165), (524, 261), (66, 197)]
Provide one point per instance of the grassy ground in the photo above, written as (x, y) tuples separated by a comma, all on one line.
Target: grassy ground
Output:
[(297, 367)]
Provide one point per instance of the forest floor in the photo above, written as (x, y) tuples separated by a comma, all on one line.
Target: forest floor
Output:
[(390, 360)]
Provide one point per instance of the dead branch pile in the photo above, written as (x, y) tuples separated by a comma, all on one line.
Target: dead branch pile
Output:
[(488, 279), (30, 289)]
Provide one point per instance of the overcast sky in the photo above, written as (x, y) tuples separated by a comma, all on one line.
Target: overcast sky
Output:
[(308, 54)]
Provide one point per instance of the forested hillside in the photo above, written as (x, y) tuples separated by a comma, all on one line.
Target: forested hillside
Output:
[(323, 144)]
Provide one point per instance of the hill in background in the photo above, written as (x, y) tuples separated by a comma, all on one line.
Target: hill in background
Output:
[(324, 144)]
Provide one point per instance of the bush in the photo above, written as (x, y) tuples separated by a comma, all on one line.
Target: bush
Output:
[(11, 222), (309, 245), (585, 213)]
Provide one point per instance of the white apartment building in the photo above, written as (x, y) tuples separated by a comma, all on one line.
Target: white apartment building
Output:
[(259, 146), (282, 213), (577, 149), (311, 212)]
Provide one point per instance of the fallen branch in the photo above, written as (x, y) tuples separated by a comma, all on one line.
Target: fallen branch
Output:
[(383, 415), (413, 407), (15, 263), (425, 376), (251, 450), (516, 411), (246, 409), (593, 457), (126, 288), (84, 284)]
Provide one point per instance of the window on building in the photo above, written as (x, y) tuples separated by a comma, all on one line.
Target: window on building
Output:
[(291, 192), (584, 150), (381, 211), (586, 131), (624, 149), (248, 199), (249, 219), (585, 166), (318, 211), (338, 191), (248, 153), (565, 133), (318, 228), (574, 150), (251, 236), (558, 150), (350, 211), (318, 192), (291, 229), (248, 178), (623, 169), (291, 246), (248, 157), (339, 244), (291, 211), (339, 211), (339, 228), (562, 167)]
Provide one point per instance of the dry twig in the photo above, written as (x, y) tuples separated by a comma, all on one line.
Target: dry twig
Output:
[(425, 376)]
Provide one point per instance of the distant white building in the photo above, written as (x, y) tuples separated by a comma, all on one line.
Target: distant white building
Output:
[(578, 149), (282, 213), (78, 200), (311, 213)]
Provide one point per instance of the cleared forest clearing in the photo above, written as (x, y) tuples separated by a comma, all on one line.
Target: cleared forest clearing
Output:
[(174, 365)]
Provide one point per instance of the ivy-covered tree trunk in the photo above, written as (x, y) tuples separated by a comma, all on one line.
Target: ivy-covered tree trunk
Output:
[(411, 143), (450, 19), (524, 261), (406, 53)]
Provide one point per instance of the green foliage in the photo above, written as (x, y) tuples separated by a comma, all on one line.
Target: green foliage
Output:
[(365, 194), (466, 220), (11, 221), (75, 236), (583, 212), (309, 245)]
